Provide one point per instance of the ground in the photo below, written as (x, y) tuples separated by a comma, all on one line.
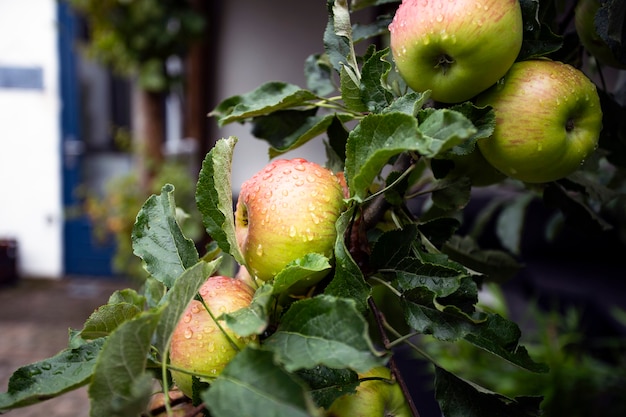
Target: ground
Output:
[(35, 316)]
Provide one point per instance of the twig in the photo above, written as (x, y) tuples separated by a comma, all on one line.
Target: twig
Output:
[(378, 315)]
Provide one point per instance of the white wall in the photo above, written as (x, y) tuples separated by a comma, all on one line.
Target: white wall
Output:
[(30, 172), (264, 41)]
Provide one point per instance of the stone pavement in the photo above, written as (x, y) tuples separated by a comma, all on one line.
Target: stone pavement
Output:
[(35, 315)]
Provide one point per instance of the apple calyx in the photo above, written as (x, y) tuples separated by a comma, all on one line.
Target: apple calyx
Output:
[(444, 62)]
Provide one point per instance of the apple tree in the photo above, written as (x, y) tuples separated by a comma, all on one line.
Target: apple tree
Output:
[(315, 334)]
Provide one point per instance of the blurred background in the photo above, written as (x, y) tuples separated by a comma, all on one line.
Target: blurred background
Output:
[(104, 101)]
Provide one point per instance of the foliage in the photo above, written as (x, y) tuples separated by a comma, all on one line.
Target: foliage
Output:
[(579, 383), (138, 37), (399, 233), (113, 214)]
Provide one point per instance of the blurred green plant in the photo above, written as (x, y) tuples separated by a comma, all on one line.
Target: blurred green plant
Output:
[(579, 383), (113, 213), (139, 36)]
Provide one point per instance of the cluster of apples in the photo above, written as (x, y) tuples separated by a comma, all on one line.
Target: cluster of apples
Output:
[(548, 114), (284, 212)]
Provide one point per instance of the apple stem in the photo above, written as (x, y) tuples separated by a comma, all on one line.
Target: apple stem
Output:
[(380, 319)]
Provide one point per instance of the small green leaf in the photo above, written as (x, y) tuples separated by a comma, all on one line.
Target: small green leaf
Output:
[(253, 319), (373, 142), (252, 384), (324, 330), (120, 385), (348, 281), (327, 384), (374, 92), (501, 337), (350, 90), (317, 70), (497, 265), (460, 398), (392, 247), (452, 194), (178, 298), (302, 273), (443, 129), (338, 43), (539, 40), (410, 103), (159, 241), (510, 222), (265, 99), (214, 197), (107, 318), (40, 381)]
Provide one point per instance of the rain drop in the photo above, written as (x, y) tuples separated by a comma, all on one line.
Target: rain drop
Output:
[(188, 333), (46, 366), (195, 308), (259, 250), (187, 318)]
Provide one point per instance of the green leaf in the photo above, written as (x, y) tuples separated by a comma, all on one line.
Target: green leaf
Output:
[(539, 40), (373, 142), (576, 210), (302, 273), (158, 239), (252, 384), (253, 319), (443, 129), (120, 385), (178, 298), (338, 43), (497, 265), (501, 337), (317, 70), (441, 280), (482, 118), (510, 222), (452, 194), (374, 92), (393, 246), (348, 281), (324, 330), (327, 384), (265, 99), (351, 90), (410, 103), (460, 398), (39, 381), (214, 197), (123, 305)]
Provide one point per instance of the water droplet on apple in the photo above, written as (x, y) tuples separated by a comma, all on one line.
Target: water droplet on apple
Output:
[(195, 308), (299, 183), (259, 250), (292, 231), (187, 318), (188, 333), (311, 206), (299, 167), (285, 192), (315, 219), (310, 178), (211, 347), (273, 207), (266, 176), (439, 18), (268, 194), (286, 171)]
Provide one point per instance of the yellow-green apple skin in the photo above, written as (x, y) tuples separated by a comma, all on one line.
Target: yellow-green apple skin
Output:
[(285, 211), (373, 398), (456, 49), (198, 344), (584, 21), (548, 120)]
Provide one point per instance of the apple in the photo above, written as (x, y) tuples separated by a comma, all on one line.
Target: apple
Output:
[(198, 344), (373, 397), (285, 211), (180, 409), (456, 49), (548, 120), (584, 21)]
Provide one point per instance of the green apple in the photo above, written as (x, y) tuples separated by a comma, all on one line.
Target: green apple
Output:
[(373, 398), (548, 120), (285, 211), (456, 49), (584, 21), (199, 344)]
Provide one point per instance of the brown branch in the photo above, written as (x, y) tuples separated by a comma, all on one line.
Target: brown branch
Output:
[(380, 319)]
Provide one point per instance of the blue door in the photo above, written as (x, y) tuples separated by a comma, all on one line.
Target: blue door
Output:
[(85, 160)]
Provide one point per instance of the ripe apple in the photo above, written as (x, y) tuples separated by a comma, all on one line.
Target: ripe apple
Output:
[(375, 397), (456, 49), (548, 120), (585, 13), (198, 344), (285, 211)]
